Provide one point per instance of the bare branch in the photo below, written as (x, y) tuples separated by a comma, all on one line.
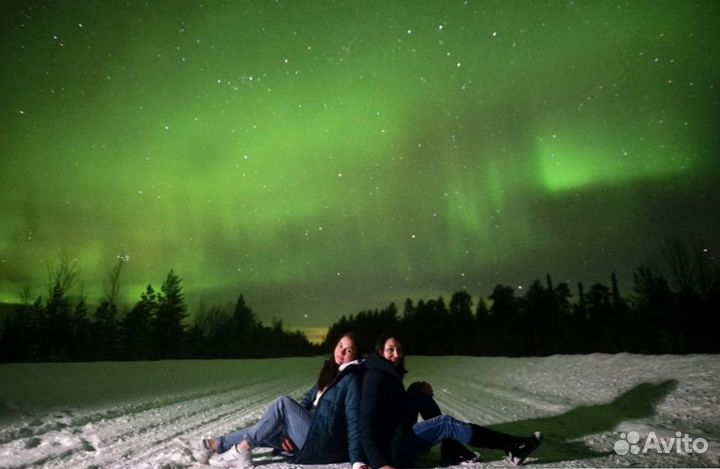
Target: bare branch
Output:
[(112, 285)]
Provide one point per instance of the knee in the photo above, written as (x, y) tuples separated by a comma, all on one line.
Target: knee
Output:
[(419, 390), (445, 419), (281, 402)]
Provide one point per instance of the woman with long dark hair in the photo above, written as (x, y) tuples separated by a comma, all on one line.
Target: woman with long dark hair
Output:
[(323, 428), (392, 436)]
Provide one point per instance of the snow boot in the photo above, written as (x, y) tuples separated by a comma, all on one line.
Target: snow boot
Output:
[(235, 457), (485, 438), (199, 449), (453, 453), (520, 450)]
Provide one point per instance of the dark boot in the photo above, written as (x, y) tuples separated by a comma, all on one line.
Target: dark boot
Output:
[(517, 449), (485, 438), (453, 453), (520, 450)]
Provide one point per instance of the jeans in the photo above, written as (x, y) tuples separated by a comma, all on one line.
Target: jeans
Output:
[(435, 427), (284, 417), (428, 433)]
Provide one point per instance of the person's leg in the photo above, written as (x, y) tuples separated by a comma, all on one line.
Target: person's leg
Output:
[(516, 448), (283, 416), (419, 395), (430, 432), (225, 442), (421, 399), (485, 438), (442, 427), (445, 427)]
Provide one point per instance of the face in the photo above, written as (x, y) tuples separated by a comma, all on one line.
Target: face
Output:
[(392, 351), (345, 351)]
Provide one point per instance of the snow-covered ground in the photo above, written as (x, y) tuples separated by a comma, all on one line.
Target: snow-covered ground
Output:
[(126, 415)]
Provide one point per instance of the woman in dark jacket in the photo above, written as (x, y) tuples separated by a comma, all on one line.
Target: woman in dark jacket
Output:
[(389, 430), (323, 429)]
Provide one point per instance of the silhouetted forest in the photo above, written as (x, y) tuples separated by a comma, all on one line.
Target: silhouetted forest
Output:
[(660, 315), (548, 318), (61, 327)]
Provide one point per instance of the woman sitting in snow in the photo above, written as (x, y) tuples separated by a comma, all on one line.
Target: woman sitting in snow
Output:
[(323, 429), (390, 433)]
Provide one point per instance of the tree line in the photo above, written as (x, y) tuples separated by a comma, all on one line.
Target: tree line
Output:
[(62, 327), (547, 318), (543, 319)]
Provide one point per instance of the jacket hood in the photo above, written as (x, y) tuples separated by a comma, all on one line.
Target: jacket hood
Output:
[(373, 361)]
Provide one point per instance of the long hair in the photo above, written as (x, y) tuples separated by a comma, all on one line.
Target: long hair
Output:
[(380, 349), (329, 370)]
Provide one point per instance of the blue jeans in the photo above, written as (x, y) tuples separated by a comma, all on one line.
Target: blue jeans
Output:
[(284, 417), (428, 433), (434, 428)]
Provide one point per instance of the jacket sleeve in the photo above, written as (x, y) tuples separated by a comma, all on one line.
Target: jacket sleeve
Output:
[(309, 398), (376, 450), (352, 415)]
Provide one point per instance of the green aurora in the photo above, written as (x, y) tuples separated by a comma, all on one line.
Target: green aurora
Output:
[(323, 157)]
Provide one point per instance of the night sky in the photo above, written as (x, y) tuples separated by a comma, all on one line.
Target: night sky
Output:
[(323, 157)]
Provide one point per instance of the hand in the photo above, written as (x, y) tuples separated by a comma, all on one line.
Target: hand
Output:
[(287, 445), (388, 467)]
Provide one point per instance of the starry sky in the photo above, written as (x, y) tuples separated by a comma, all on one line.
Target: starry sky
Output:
[(323, 157)]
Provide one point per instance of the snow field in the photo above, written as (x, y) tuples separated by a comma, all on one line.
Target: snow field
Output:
[(126, 415)]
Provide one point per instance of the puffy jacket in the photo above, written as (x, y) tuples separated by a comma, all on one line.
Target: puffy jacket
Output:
[(334, 434), (386, 417)]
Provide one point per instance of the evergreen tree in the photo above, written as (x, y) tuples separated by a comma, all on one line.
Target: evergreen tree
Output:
[(654, 315), (167, 326), (536, 314), (408, 308), (135, 326), (16, 334), (563, 330), (80, 344), (105, 331), (462, 323), (504, 315), (618, 303), (484, 343), (106, 322), (504, 303), (563, 295), (481, 310), (55, 328), (244, 328), (37, 331), (580, 309)]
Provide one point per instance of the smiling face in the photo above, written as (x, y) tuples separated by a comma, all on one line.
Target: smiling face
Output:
[(392, 351), (345, 351)]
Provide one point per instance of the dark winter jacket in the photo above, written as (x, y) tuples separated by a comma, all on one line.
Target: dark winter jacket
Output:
[(386, 418), (334, 434)]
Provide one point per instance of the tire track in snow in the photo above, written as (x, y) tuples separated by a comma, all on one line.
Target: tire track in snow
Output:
[(222, 421), (81, 441), (36, 428)]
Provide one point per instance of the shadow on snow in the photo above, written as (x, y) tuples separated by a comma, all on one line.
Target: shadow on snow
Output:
[(562, 431)]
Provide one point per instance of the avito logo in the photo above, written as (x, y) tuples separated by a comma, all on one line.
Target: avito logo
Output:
[(679, 444)]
